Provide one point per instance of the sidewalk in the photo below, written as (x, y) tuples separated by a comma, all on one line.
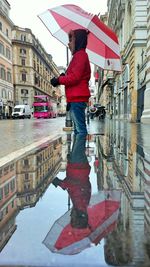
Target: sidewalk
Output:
[(23, 135)]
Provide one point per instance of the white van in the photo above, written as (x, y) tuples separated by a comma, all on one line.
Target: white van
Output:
[(21, 111)]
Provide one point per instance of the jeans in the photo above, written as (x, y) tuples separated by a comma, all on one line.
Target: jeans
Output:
[(78, 152), (78, 116)]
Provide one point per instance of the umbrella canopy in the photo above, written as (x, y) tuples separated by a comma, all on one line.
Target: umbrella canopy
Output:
[(102, 48), (103, 213)]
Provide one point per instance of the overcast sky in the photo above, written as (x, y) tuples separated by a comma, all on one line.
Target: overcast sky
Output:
[(24, 14)]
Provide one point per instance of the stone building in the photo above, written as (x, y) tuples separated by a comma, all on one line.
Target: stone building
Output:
[(32, 68), (146, 112), (129, 20), (6, 82)]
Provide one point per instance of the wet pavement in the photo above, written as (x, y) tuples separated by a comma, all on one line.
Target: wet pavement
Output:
[(16, 134), (97, 211)]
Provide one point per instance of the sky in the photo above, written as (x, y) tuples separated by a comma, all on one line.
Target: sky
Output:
[(24, 13)]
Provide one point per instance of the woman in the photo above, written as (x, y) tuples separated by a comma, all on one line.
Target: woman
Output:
[(76, 80)]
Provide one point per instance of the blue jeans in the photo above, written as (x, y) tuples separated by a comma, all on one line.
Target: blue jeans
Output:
[(78, 152), (77, 111)]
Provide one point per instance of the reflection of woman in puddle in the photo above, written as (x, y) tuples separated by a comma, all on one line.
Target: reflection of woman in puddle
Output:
[(77, 183)]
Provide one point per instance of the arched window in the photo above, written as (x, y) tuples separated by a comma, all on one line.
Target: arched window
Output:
[(24, 77), (2, 73)]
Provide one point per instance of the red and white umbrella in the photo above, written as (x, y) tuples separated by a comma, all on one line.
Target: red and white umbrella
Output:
[(103, 47), (103, 213)]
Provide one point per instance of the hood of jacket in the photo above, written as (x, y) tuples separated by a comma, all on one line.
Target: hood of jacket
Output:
[(80, 37)]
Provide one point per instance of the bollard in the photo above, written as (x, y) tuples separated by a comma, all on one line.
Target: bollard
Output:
[(68, 122)]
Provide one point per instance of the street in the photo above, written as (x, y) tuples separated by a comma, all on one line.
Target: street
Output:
[(16, 134)]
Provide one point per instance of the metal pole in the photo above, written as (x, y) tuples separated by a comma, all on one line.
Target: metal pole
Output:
[(68, 122), (68, 155)]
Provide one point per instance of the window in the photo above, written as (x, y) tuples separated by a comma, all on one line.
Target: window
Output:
[(12, 204), (2, 51), (23, 38), (24, 92), (23, 62), (8, 54), (7, 32), (6, 189), (26, 176), (1, 194), (24, 77), (23, 51), (12, 185), (3, 93), (2, 73), (9, 76), (0, 26), (26, 161)]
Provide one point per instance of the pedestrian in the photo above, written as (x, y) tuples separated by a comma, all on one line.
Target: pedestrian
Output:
[(76, 80)]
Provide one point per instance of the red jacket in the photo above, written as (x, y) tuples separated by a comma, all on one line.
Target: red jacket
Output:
[(77, 78), (78, 185)]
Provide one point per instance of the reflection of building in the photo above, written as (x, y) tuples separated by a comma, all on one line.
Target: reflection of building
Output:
[(122, 163), (22, 183), (6, 83), (35, 172), (8, 203), (143, 174), (33, 68), (117, 249)]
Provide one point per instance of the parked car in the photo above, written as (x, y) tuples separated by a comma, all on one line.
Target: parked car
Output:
[(21, 111)]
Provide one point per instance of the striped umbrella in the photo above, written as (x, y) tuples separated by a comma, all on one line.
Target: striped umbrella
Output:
[(103, 47), (102, 212)]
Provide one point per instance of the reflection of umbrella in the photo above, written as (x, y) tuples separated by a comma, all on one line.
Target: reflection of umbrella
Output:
[(102, 48), (102, 218)]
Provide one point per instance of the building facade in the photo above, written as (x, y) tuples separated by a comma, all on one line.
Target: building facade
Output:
[(146, 113), (32, 68), (6, 81), (126, 95)]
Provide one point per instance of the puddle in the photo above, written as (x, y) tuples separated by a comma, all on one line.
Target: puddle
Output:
[(99, 201)]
